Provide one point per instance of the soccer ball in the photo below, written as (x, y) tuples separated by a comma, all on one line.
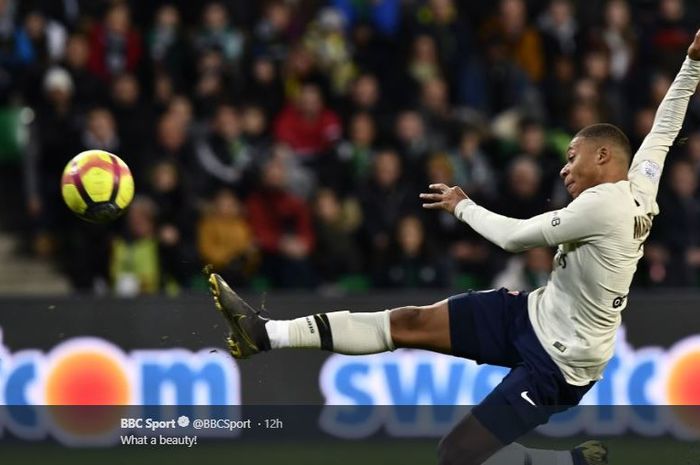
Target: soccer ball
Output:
[(97, 186)]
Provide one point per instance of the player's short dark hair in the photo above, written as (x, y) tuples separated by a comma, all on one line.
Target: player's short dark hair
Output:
[(608, 132)]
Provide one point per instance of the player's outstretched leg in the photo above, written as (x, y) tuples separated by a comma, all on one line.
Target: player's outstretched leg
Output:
[(352, 333)]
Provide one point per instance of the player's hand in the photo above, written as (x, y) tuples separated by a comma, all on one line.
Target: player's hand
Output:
[(694, 49), (446, 198)]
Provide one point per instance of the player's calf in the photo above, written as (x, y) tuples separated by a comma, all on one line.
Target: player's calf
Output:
[(426, 327)]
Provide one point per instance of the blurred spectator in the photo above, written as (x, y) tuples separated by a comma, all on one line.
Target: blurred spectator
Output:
[(66, 12), (354, 155), (581, 114), (173, 143), (441, 20), (471, 166), (494, 83), (375, 53), (674, 258), (44, 38), (521, 197), (610, 93), (282, 227), (224, 154), (619, 37), (115, 44), (526, 271), (180, 109), (424, 63), (365, 95), (446, 229), (384, 199), (307, 125), (55, 139), (218, 33), (468, 253), (275, 31), (559, 30), (533, 144), (134, 119), (300, 68), (669, 36), (326, 40), (264, 87), (225, 239), (438, 113), (300, 180), (168, 47), (176, 221), (213, 84), (88, 88), (101, 133), (135, 263), (163, 92), (560, 90), (335, 222), (523, 44), (412, 262), (11, 53), (27, 49), (382, 15), (414, 145), (255, 126)]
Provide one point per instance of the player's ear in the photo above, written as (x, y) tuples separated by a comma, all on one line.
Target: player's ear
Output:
[(603, 155)]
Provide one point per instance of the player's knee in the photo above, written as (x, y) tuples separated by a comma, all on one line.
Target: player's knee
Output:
[(451, 452)]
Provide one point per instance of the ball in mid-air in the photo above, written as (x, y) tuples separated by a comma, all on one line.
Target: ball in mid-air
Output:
[(97, 186)]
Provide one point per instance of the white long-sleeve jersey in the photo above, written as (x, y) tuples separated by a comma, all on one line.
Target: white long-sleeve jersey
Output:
[(599, 237)]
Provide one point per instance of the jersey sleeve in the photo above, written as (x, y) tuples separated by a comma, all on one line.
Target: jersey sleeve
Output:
[(587, 217), (648, 162)]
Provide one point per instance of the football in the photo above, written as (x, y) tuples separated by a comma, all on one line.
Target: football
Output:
[(97, 186)]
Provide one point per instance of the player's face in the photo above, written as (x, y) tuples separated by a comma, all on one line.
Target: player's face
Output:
[(580, 171)]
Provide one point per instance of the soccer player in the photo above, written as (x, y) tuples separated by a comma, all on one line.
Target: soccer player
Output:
[(556, 339)]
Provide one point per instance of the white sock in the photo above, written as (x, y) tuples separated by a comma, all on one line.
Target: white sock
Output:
[(278, 333), (342, 332), (516, 454)]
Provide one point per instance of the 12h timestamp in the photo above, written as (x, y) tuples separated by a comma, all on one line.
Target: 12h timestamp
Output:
[(271, 423)]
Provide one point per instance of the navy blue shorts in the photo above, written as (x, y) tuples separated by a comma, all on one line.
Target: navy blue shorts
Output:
[(493, 327)]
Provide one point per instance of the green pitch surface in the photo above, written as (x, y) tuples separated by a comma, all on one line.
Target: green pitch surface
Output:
[(361, 452)]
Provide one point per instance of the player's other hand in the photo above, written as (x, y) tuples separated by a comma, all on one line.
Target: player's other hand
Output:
[(445, 198), (694, 49)]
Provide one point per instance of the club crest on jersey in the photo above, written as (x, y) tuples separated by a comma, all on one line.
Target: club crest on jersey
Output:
[(650, 169)]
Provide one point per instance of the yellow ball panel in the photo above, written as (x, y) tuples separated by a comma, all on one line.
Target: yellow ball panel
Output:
[(126, 192), (72, 198), (84, 157), (98, 184)]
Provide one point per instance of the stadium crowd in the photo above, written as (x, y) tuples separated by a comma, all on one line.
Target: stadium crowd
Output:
[(286, 142)]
